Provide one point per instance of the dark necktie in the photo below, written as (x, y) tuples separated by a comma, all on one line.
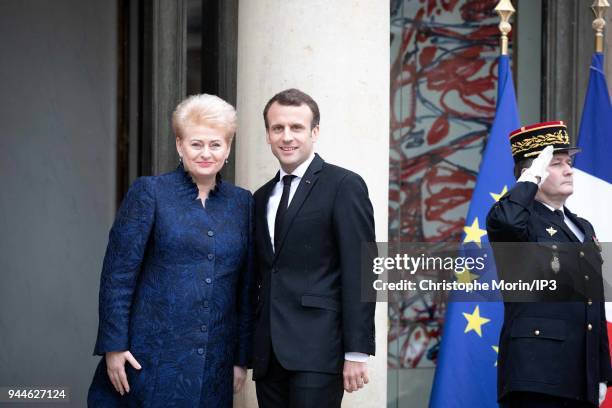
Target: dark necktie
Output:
[(282, 209), (561, 216)]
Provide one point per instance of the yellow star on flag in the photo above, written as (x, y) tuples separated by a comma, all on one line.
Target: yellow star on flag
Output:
[(475, 321), (473, 233), (466, 276), (497, 351), (496, 197)]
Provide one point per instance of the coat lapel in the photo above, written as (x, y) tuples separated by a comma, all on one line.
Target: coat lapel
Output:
[(304, 188), (262, 215)]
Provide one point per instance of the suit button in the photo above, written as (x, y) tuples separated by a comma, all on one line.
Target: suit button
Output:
[(203, 328), (205, 303), (200, 351), (208, 280), (554, 247), (586, 277), (581, 254), (210, 257), (590, 302), (589, 327), (210, 233), (536, 332)]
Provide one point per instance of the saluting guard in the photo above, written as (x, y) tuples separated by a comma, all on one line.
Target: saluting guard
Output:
[(551, 353)]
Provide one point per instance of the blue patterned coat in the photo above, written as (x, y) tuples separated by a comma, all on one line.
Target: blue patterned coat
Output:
[(175, 292)]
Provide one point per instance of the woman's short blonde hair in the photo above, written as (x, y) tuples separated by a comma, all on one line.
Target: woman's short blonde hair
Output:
[(206, 110)]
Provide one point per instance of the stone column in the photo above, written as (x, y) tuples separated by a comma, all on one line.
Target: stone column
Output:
[(338, 52)]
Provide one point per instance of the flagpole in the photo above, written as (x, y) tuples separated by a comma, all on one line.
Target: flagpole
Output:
[(505, 10), (599, 9)]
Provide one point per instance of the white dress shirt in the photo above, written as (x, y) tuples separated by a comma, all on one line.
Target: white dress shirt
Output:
[(271, 209), (277, 192)]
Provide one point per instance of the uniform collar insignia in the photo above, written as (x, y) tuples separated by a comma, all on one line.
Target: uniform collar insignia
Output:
[(551, 231)]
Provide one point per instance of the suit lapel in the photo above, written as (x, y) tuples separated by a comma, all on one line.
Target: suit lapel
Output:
[(304, 188), (262, 215)]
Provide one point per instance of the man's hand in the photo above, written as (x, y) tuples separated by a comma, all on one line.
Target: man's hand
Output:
[(355, 375), (239, 378), (603, 389), (115, 368), (539, 167)]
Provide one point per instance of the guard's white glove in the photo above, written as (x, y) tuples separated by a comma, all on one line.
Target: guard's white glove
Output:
[(603, 389), (538, 171)]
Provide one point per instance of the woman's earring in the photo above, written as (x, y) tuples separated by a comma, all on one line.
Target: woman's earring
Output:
[(226, 161), (180, 159)]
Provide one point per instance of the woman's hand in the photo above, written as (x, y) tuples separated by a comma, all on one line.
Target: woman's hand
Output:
[(115, 368), (239, 378)]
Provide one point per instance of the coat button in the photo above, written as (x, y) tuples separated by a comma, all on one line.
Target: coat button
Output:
[(205, 303), (590, 302), (208, 280), (536, 332), (210, 257), (200, 351), (586, 277), (589, 327), (554, 247), (210, 233), (581, 254), (203, 328)]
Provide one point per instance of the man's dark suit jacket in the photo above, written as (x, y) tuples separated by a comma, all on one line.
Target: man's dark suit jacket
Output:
[(309, 306), (558, 348)]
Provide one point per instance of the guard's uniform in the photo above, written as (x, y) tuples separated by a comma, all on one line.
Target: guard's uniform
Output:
[(558, 349)]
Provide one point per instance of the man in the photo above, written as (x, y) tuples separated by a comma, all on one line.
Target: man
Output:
[(313, 333), (553, 353)]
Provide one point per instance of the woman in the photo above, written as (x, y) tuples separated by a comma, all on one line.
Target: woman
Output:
[(175, 319)]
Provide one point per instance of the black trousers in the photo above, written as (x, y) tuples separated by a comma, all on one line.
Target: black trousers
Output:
[(281, 388), (537, 400)]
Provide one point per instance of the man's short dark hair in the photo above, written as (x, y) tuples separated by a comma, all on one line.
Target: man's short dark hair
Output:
[(294, 97), (523, 164)]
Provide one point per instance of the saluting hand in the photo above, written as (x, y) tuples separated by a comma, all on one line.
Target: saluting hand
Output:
[(603, 389), (539, 167), (115, 368)]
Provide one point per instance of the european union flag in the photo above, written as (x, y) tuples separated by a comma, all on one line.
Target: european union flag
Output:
[(466, 373)]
